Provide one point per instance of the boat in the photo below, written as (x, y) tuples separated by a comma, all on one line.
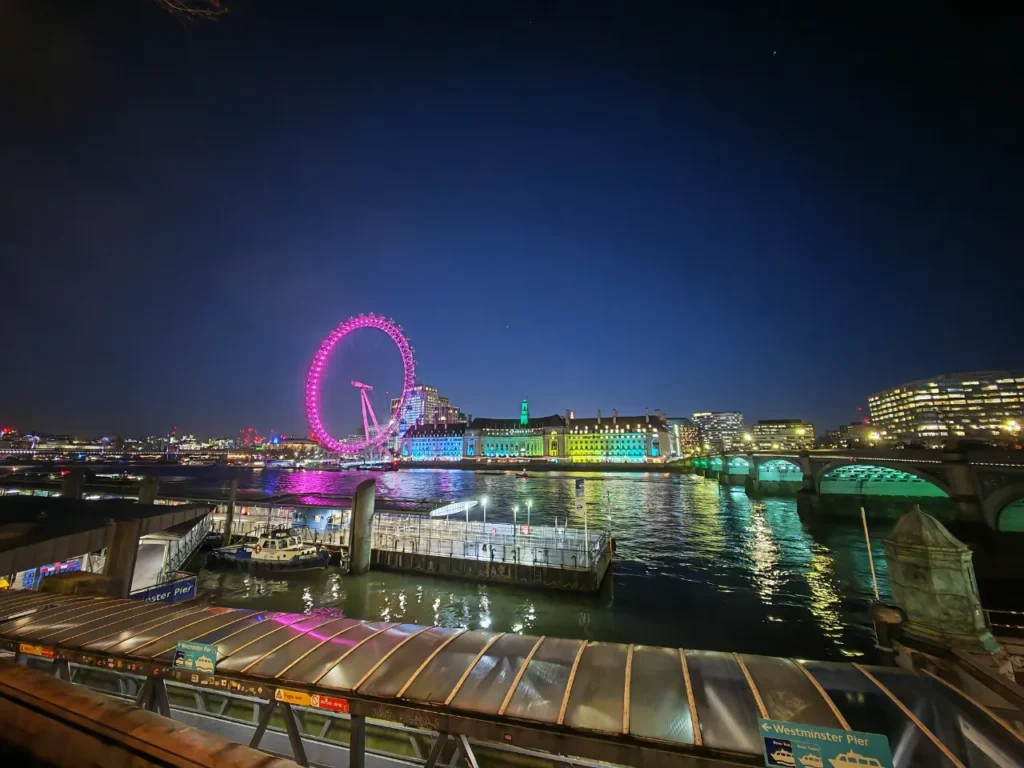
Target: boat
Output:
[(811, 760), (852, 760), (274, 552), (783, 757)]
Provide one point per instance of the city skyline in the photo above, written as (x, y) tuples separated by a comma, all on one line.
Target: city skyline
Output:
[(686, 209)]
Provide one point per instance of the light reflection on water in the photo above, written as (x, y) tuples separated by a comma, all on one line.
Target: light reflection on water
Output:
[(697, 566)]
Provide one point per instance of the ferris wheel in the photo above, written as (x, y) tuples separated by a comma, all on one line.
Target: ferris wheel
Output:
[(374, 437)]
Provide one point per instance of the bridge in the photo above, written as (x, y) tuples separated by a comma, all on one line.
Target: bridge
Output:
[(980, 486), (325, 687)]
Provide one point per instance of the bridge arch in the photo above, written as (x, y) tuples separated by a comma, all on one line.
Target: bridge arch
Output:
[(878, 478), (715, 463), (1004, 509), (738, 465), (780, 470)]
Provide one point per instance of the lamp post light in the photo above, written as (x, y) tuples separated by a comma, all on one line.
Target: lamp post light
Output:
[(484, 502), (515, 529), (529, 504)]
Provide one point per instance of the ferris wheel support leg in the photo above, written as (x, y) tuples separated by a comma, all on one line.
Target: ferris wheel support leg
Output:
[(362, 520)]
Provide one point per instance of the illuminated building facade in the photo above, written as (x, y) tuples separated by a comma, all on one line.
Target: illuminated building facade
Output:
[(720, 430), (424, 406), (782, 434), (620, 439), (856, 434), (516, 438), (433, 442), (986, 405), (684, 437)]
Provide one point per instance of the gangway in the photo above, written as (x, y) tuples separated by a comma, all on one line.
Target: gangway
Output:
[(163, 554), (617, 703)]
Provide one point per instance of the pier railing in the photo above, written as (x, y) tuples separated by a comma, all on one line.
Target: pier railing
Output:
[(334, 534), (550, 546)]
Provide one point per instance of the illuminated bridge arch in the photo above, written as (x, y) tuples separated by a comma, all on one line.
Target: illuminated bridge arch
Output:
[(738, 466), (878, 479), (780, 470), (715, 464), (1004, 509)]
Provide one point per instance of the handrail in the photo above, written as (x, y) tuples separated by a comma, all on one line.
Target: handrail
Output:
[(1001, 612)]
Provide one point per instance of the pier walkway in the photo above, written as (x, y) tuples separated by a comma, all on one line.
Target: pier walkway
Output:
[(473, 690)]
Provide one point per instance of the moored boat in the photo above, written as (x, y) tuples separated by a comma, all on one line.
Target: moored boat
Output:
[(278, 551)]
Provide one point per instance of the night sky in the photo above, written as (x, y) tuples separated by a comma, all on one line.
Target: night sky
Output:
[(602, 205)]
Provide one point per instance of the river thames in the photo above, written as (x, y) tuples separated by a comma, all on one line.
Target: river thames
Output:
[(696, 566)]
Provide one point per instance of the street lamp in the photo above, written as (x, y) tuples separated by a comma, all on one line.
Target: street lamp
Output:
[(484, 502), (529, 503), (515, 530)]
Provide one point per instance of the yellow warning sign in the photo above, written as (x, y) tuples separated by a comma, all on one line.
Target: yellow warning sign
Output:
[(292, 697), (36, 650)]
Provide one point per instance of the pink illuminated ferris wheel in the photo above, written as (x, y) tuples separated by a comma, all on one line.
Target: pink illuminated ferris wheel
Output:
[(377, 436)]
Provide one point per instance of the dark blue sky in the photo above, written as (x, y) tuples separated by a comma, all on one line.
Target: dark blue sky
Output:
[(596, 205)]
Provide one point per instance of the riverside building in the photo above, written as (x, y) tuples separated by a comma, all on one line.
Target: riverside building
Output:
[(782, 435), (614, 440), (981, 404)]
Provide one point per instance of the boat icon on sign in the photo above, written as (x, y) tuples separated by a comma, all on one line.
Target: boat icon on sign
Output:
[(852, 760)]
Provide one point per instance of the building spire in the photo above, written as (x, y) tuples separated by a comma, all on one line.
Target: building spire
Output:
[(524, 413)]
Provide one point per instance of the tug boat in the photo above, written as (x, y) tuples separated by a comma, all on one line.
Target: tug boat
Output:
[(275, 552)]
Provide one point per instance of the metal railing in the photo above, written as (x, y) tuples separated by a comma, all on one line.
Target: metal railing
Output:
[(333, 534), (551, 546), (1005, 623), (182, 549)]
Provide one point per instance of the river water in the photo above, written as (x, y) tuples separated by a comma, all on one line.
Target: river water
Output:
[(696, 566)]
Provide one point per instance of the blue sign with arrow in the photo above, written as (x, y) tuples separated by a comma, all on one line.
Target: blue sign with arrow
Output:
[(795, 745)]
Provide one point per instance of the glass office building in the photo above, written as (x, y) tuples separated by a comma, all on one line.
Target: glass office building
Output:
[(983, 404)]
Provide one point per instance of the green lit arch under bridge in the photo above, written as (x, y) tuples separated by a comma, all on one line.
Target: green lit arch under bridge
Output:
[(1005, 509), (856, 479), (780, 471)]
